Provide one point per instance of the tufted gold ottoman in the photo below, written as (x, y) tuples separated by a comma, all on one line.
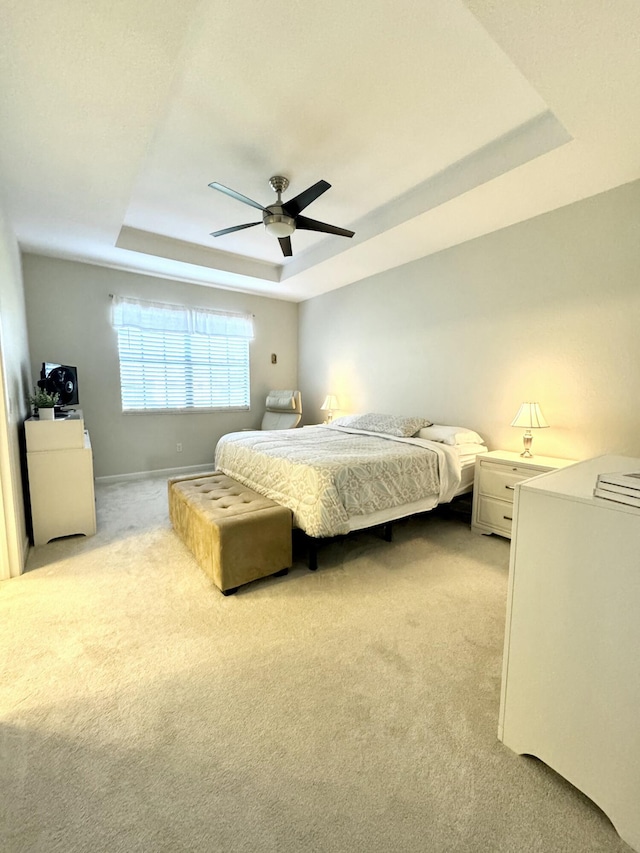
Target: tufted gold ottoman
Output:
[(235, 534)]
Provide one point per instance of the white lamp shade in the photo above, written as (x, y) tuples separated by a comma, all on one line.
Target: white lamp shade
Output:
[(330, 403), (529, 417)]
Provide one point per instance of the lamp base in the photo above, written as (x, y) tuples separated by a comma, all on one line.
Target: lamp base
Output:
[(527, 438)]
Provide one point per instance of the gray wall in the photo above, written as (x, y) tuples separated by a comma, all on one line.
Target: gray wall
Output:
[(546, 310), (14, 387), (68, 314)]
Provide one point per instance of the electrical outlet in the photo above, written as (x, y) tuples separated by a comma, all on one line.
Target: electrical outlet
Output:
[(179, 447)]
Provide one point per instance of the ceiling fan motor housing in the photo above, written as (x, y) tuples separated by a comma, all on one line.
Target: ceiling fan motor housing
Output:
[(276, 221)]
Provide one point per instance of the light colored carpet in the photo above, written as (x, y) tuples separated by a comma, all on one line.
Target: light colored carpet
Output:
[(353, 709)]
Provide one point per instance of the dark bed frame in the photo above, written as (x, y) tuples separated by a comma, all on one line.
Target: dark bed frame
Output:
[(459, 507)]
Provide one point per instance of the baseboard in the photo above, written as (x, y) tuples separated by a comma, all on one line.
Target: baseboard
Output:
[(162, 472)]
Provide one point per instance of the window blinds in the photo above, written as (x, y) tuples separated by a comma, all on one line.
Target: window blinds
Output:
[(177, 358)]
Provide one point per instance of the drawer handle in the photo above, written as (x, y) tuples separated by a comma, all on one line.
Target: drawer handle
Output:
[(511, 488), (508, 517)]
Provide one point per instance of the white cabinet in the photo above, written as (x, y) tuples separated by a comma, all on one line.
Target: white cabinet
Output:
[(571, 673), (495, 478), (60, 466)]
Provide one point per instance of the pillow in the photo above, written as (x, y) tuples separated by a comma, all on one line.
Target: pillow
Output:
[(283, 400), (450, 434), (397, 425)]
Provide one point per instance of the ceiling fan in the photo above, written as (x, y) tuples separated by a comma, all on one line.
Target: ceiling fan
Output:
[(282, 218)]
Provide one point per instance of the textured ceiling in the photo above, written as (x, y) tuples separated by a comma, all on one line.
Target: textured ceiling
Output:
[(434, 122)]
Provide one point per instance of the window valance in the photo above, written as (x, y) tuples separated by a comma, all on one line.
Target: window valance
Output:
[(160, 316)]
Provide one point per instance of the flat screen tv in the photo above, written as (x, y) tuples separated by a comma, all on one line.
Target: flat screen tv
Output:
[(61, 378)]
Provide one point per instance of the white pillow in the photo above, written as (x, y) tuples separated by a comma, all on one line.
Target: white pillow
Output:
[(450, 434)]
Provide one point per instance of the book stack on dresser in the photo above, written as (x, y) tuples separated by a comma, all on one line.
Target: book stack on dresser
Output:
[(624, 488)]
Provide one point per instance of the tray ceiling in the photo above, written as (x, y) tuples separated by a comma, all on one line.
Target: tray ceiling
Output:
[(434, 122)]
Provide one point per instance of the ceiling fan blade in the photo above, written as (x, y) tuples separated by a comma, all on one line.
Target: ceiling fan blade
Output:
[(305, 224), (295, 205), (234, 228), (285, 245), (238, 196)]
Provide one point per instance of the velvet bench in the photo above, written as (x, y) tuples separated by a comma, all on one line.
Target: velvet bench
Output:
[(235, 534)]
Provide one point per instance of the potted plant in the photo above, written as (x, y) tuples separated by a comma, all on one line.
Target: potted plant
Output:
[(45, 403)]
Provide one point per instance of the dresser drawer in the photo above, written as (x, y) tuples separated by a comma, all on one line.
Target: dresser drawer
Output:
[(498, 481), (495, 514)]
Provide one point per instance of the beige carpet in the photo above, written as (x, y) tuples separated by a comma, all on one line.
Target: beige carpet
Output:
[(353, 709)]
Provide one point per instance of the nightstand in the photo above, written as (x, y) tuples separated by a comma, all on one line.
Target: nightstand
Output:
[(496, 474)]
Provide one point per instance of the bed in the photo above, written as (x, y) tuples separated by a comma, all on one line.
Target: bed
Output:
[(359, 471)]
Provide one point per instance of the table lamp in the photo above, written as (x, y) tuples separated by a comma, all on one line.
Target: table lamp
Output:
[(329, 406), (529, 417)]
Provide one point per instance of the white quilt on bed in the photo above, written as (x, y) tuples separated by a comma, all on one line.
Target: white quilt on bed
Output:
[(327, 475)]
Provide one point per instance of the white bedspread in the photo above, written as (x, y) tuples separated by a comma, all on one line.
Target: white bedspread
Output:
[(328, 475)]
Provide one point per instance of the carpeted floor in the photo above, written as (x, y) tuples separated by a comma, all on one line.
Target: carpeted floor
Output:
[(353, 709)]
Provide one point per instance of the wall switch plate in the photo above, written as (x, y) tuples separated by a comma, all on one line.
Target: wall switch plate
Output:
[(274, 358)]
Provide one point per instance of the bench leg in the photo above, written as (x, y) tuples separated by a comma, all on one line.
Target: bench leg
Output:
[(231, 591), (281, 573)]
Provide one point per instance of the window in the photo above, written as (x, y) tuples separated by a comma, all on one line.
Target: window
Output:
[(178, 358)]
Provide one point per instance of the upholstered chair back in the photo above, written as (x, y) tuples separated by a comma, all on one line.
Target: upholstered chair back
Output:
[(283, 410)]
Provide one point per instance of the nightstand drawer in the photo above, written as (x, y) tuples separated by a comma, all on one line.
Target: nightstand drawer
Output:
[(498, 481), (495, 514)]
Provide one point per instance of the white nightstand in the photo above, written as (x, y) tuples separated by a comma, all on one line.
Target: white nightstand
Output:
[(496, 475)]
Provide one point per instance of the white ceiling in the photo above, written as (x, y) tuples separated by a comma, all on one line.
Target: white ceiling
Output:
[(435, 121)]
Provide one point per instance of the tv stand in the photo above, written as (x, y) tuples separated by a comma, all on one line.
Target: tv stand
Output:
[(60, 465)]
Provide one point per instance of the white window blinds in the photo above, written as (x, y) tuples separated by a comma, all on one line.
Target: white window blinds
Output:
[(180, 358)]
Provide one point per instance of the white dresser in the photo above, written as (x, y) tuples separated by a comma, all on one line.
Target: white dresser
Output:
[(495, 478), (571, 672), (60, 466)]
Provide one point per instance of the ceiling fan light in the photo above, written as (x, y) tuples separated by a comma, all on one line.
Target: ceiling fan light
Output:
[(279, 225)]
